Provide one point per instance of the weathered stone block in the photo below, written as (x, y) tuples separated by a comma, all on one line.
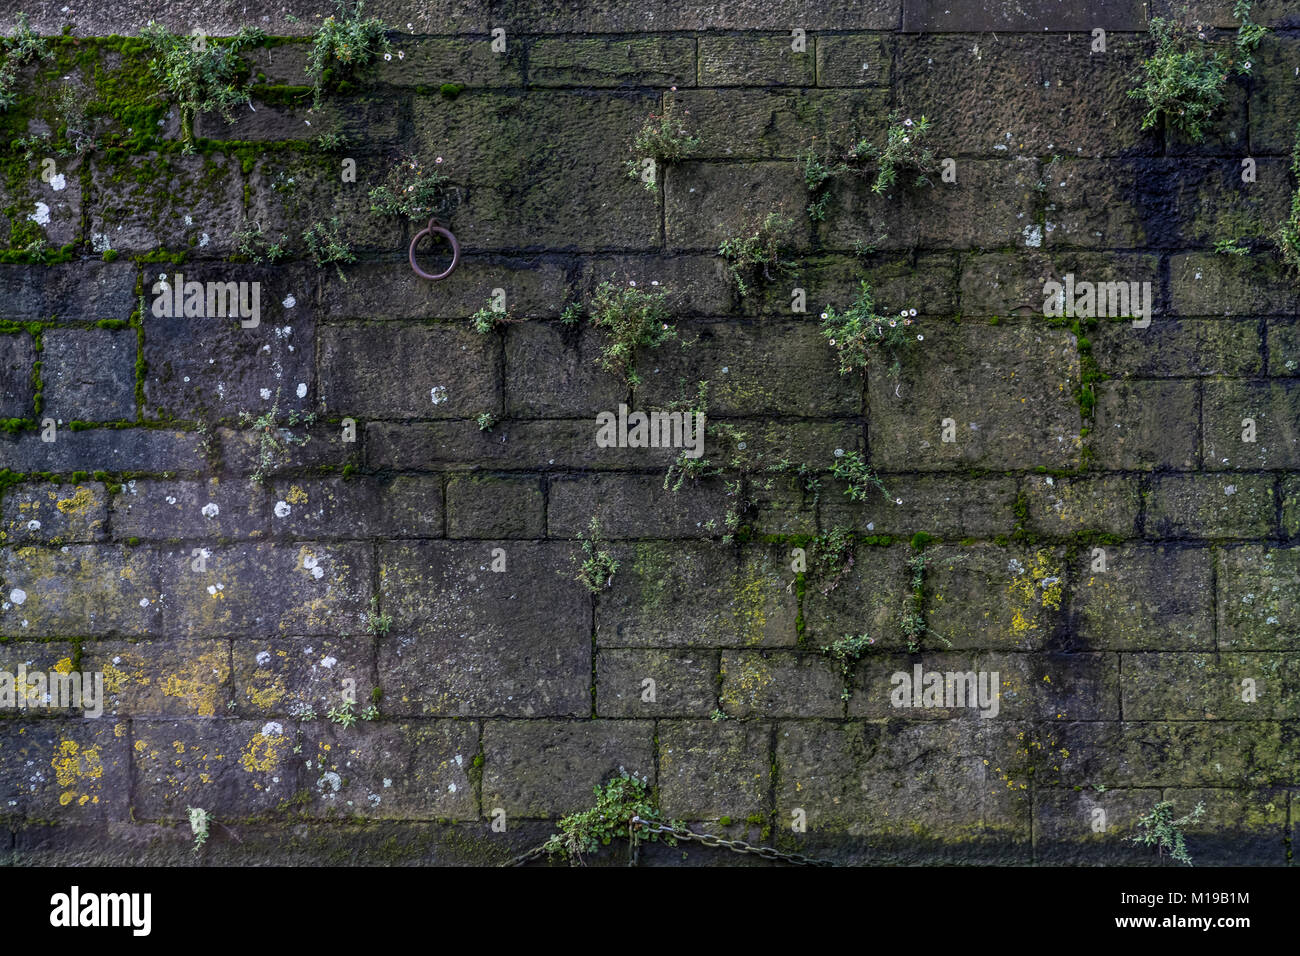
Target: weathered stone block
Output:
[(495, 507), (697, 595), (600, 62), (780, 684), (546, 768), (469, 640), (1205, 506), (1252, 425), (80, 589), (295, 676), (158, 510), (1066, 506), (231, 768), (1147, 598), (755, 61), (1009, 394), (713, 769), (391, 771), (57, 514), (1259, 599), (685, 683), (446, 371), (984, 596), (304, 588), (1146, 425)]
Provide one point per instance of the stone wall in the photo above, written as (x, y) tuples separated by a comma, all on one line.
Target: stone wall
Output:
[(1097, 533)]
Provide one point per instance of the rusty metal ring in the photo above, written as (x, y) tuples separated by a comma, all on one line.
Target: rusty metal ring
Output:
[(430, 230)]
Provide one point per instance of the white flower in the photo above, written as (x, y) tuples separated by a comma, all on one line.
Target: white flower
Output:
[(907, 122), (911, 311), (892, 323), (898, 501), (823, 315), (832, 341), (401, 54), (906, 140), (438, 160), (632, 283), (388, 56), (920, 338)]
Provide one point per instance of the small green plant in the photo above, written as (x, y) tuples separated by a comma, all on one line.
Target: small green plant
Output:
[(846, 652), (904, 150), (410, 190), (489, 317), (858, 333), (617, 803), (1161, 830), (273, 442), (377, 623), (1288, 234), (345, 44), (684, 468), (598, 567), (830, 558), (23, 47), (913, 623), (718, 715), (663, 139), (343, 716), (327, 247), (631, 318), (486, 421), (200, 74), (253, 245), (858, 477), (758, 251), (1184, 80), (1230, 247), (199, 824)]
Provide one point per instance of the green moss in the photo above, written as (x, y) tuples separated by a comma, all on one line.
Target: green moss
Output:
[(450, 90), (114, 324)]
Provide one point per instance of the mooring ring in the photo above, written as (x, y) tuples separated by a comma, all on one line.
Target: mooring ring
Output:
[(430, 230)]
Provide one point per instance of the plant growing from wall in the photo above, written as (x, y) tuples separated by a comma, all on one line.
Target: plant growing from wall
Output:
[(904, 150), (252, 243), (489, 317), (345, 44), (617, 802), (913, 623), (199, 825), (200, 74), (273, 442), (830, 557), (758, 252), (846, 652), (631, 319), (1288, 234), (23, 47), (486, 421), (598, 566), (662, 140), (326, 246), (1185, 79), (859, 333), (377, 623), (1161, 830), (411, 190), (860, 480)]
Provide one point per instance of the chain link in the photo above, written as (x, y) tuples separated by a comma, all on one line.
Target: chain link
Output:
[(680, 833), (737, 846)]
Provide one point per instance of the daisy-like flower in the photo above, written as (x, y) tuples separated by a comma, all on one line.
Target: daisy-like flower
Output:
[(893, 322), (904, 312), (911, 311), (832, 341), (1246, 65), (632, 283), (401, 54), (907, 122), (438, 160), (898, 501), (388, 56), (906, 140), (654, 281), (823, 315), (920, 338)]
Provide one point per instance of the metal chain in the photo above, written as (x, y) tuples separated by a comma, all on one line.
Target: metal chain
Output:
[(737, 846), (680, 833)]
